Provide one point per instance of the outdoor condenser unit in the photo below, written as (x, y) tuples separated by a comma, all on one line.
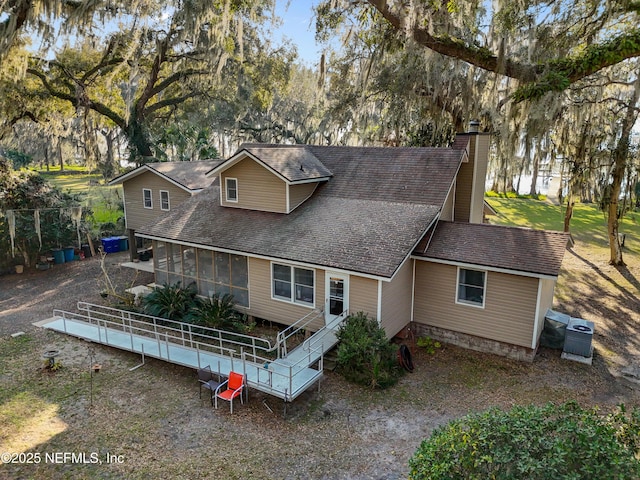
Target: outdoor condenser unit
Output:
[(578, 337)]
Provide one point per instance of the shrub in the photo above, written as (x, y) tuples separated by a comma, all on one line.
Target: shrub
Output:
[(429, 344), (172, 301), (218, 312), (365, 355), (549, 442)]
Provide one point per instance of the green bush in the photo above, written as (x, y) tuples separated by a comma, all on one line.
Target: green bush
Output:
[(171, 301), (218, 312), (429, 344), (365, 354), (549, 442)]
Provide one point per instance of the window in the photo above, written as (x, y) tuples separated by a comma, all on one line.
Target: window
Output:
[(164, 200), (232, 189), (213, 272), (293, 284), (231, 276), (471, 287), (146, 198)]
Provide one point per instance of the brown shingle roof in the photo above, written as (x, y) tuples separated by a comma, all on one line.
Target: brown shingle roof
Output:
[(397, 174), (511, 248), (293, 162), (371, 237), (189, 175), (367, 218)]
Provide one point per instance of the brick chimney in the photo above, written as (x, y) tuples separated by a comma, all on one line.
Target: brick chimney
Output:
[(470, 182)]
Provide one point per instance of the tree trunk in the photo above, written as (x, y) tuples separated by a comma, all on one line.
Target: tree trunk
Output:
[(568, 214), (139, 143), (60, 154), (535, 171), (620, 156), (46, 155)]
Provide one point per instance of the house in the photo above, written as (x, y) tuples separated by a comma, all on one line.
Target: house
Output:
[(394, 232), (155, 189)]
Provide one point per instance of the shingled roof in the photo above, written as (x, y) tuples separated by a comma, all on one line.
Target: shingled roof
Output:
[(188, 175), (294, 163), (367, 218), (539, 252)]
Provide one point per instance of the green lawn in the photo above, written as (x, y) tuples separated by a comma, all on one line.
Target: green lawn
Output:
[(101, 198), (588, 223)]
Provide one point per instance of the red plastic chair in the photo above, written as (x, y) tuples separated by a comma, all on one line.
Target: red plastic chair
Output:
[(234, 386)]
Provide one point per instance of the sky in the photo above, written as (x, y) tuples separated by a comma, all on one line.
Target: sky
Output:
[(299, 27)]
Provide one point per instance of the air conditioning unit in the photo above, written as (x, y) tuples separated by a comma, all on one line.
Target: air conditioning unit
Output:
[(578, 337)]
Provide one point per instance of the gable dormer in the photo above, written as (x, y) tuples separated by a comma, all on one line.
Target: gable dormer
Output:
[(270, 178)]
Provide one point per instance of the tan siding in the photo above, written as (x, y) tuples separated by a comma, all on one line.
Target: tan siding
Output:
[(482, 157), (464, 181), (447, 209), (547, 287), (137, 215), (263, 306), (396, 300), (363, 296), (508, 316), (299, 193), (258, 188)]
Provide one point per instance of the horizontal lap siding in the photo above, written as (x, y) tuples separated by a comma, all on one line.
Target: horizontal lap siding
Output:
[(258, 189), (447, 208), (464, 182), (136, 214), (363, 296), (508, 316), (546, 301), (263, 306), (396, 300), (299, 193)]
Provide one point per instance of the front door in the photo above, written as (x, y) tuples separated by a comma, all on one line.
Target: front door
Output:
[(337, 297)]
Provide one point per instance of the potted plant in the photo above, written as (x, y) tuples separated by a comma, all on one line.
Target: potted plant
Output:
[(18, 265)]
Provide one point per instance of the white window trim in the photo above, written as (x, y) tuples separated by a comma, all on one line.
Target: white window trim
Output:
[(226, 190), (484, 288), (144, 203), (292, 299), (168, 201)]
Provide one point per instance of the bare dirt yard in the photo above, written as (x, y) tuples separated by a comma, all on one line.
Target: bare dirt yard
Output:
[(150, 423)]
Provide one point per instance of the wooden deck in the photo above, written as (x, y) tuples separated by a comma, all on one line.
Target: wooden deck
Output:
[(182, 344)]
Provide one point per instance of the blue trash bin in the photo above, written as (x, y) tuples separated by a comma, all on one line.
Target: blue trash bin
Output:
[(58, 256), (111, 244), (123, 243), (68, 254)]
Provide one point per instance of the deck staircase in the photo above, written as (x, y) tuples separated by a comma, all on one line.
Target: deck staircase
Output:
[(268, 368)]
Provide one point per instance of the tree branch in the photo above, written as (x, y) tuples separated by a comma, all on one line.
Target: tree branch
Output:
[(457, 48), (179, 75), (93, 105), (170, 102), (538, 79)]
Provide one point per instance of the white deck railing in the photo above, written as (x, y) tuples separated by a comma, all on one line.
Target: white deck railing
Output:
[(182, 332), (245, 353), (294, 328)]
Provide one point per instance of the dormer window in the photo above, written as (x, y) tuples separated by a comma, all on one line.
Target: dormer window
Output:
[(231, 187)]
